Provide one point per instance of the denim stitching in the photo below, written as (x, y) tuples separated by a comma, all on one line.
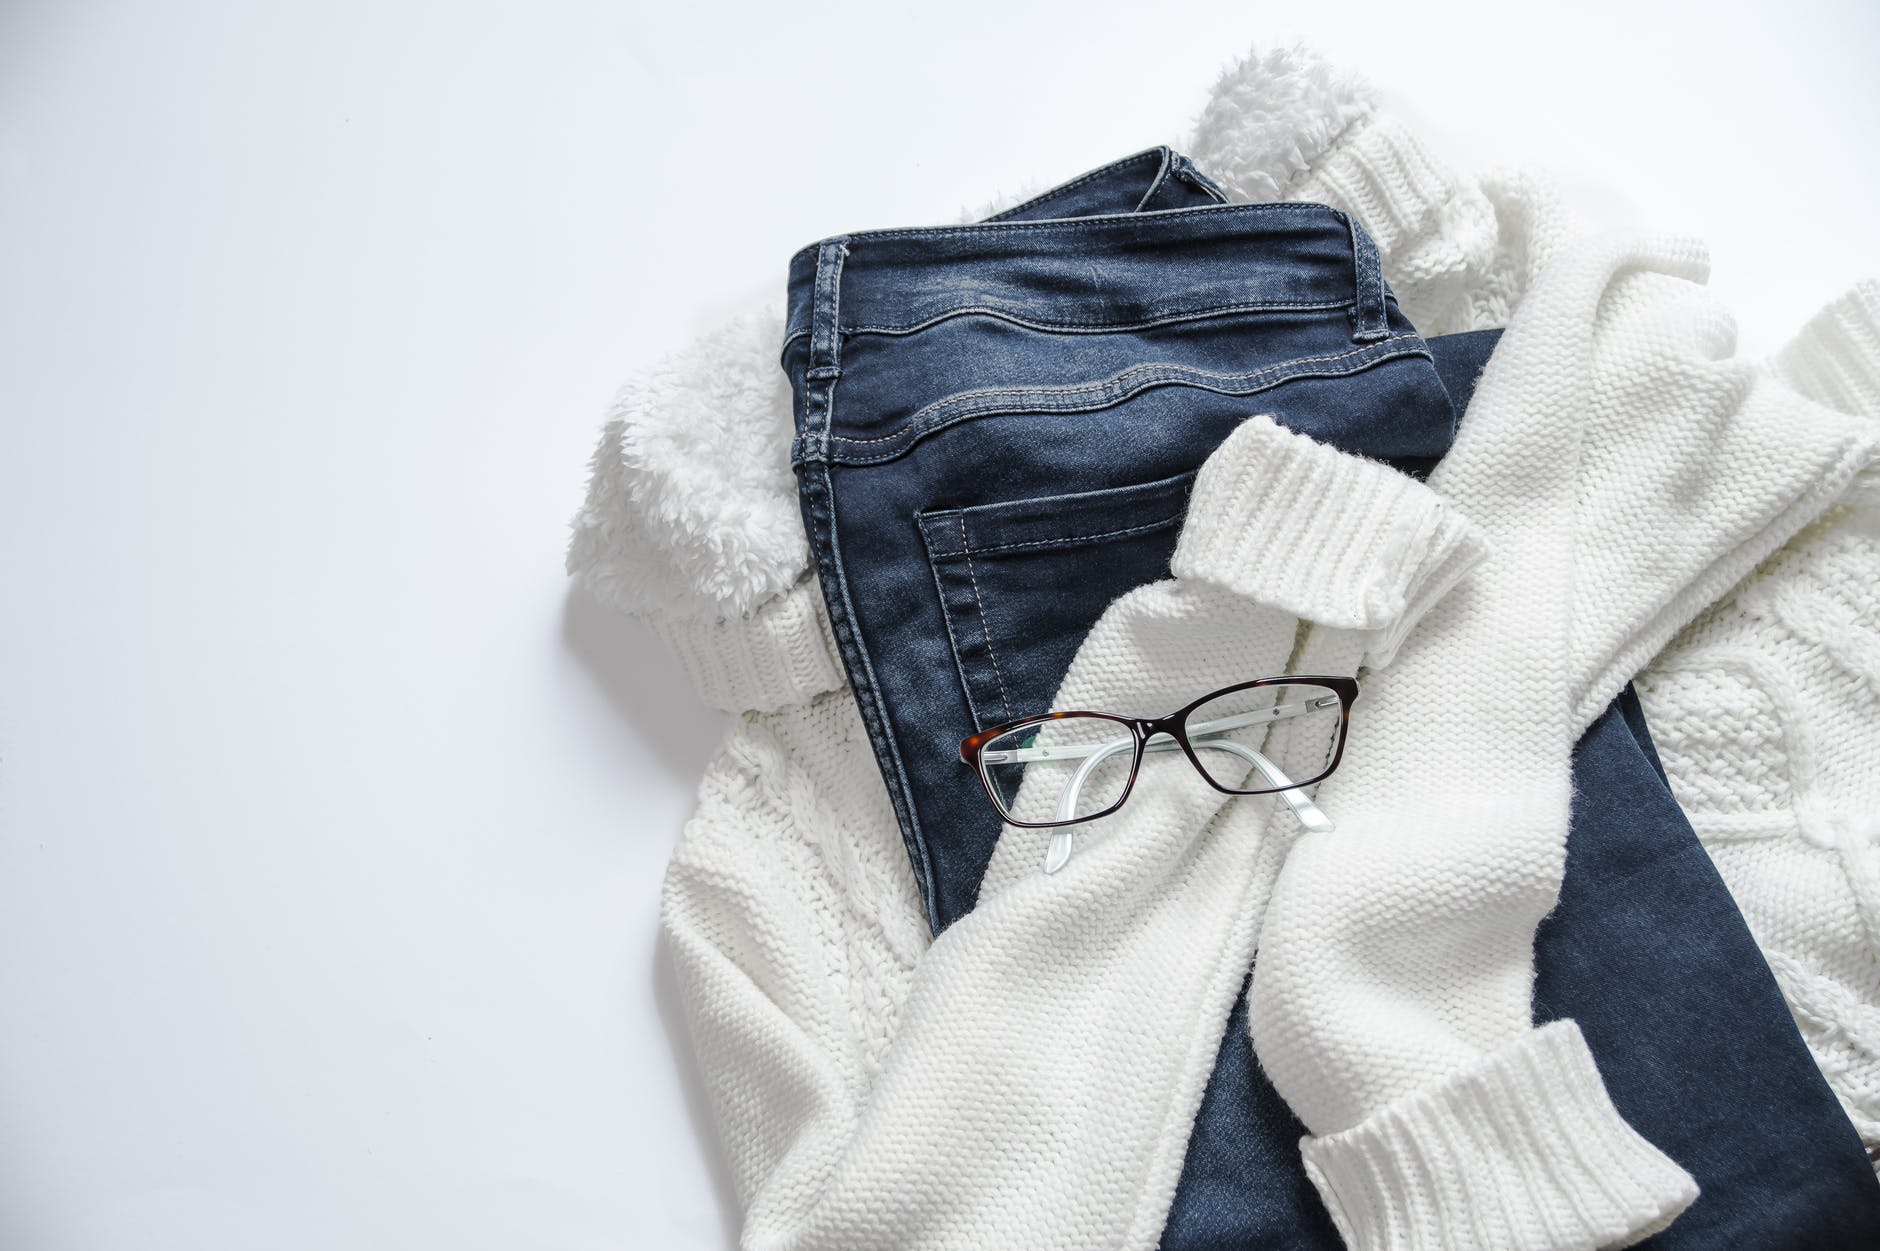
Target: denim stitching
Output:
[(980, 604), (818, 490), (1161, 177), (1078, 325), (827, 549), (1063, 540), (967, 399), (1185, 170), (1094, 325), (1369, 315), (932, 535), (1063, 189), (1102, 221), (1371, 351)]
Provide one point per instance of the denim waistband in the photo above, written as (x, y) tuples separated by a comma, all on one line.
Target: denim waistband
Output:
[(1154, 178), (1107, 271)]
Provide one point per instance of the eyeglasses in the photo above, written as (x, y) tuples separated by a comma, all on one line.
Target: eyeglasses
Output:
[(1064, 768)]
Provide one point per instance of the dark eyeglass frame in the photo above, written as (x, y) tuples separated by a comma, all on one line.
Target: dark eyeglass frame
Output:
[(1175, 725)]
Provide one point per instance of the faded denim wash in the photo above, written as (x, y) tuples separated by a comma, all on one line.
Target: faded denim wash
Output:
[(997, 425)]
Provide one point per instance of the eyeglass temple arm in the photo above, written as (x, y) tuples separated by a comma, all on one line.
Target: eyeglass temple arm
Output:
[(1058, 854)]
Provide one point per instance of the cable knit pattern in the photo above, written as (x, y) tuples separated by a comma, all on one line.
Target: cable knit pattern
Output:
[(1061, 1011), (796, 925), (1720, 736), (1397, 953), (1767, 714), (1006, 1085)]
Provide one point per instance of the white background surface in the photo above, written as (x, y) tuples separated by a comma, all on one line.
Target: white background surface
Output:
[(331, 825)]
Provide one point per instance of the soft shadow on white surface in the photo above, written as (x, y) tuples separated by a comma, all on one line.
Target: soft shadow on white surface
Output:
[(644, 684), (330, 840)]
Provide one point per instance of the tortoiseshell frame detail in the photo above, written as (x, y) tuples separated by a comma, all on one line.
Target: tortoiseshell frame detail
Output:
[(1175, 726)]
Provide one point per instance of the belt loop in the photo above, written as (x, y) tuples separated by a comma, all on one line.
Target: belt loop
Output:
[(825, 354), (1371, 321)]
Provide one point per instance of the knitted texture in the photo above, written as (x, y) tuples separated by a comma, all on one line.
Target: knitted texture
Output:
[(1060, 1012), (1392, 544), (795, 924), (1391, 1001), (1458, 252), (789, 906), (1030, 1078), (1766, 711), (1440, 1161), (1271, 489), (780, 653), (1625, 470)]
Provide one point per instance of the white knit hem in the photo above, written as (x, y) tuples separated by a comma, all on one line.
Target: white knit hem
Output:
[(779, 654), (1836, 357), (1383, 175), (1319, 533), (1523, 1150)]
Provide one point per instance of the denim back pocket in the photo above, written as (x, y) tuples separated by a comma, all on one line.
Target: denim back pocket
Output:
[(1022, 581)]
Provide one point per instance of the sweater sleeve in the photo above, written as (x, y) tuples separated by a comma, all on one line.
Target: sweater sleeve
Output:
[(1624, 470), (1067, 1010), (1766, 714), (1697, 464)]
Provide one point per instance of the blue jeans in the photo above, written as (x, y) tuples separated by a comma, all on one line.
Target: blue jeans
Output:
[(997, 425)]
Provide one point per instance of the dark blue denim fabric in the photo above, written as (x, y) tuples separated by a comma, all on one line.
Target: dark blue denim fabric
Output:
[(942, 373), (997, 428)]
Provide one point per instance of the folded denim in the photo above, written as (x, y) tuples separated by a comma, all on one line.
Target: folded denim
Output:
[(997, 426)]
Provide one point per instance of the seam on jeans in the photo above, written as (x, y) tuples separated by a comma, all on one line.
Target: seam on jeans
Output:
[(915, 436), (874, 714), (818, 489), (1106, 401), (1116, 382), (1097, 324), (1063, 540), (929, 537), (1185, 170), (979, 603), (1063, 189), (1113, 385), (1100, 221), (1161, 177)]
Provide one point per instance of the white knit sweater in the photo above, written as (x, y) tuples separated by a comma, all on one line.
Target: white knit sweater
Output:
[(1030, 1078), (1766, 712)]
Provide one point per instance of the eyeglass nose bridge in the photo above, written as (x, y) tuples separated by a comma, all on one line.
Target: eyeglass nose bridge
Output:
[(1148, 727)]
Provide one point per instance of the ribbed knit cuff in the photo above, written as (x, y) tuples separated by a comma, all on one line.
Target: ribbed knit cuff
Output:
[(780, 653), (1380, 173), (1325, 535), (1835, 360), (1524, 1150)]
